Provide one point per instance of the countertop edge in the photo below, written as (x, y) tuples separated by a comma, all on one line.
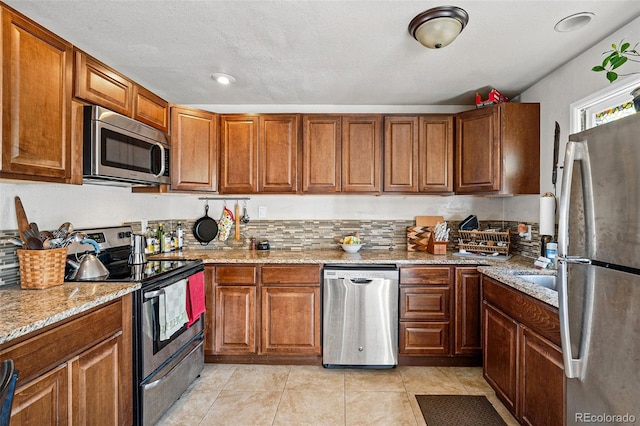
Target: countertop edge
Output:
[(27, 311)]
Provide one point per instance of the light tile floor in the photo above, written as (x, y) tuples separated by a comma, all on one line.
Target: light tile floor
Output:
[(229, 394)]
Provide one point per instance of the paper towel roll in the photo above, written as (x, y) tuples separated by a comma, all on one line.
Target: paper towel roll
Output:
[(547, 216)]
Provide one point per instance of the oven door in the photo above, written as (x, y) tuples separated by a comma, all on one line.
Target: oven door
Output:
[(156, 352)]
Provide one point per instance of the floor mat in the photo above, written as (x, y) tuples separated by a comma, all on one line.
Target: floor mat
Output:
[(459, 410)]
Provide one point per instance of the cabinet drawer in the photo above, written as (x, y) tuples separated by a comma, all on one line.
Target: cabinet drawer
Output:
[(425, 303), (40, 353), (427, 275), (303, 274), (235, 275), (538, 315), (424, 338)]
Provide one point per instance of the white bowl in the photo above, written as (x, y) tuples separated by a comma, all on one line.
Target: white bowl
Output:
[(351, 248)]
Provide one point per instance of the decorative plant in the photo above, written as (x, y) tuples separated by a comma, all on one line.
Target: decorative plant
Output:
[(618, 56)]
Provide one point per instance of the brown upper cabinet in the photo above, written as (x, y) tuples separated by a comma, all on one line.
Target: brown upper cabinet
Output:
[(321, 153), (238, 154), (37, 71), (100, 84), (361, 145), (193, 150), (498, 150), (418, 154), (258, 153), (341, 153)]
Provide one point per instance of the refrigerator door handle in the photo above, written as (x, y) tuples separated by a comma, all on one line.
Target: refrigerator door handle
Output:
[(573, 367), (574, 259)]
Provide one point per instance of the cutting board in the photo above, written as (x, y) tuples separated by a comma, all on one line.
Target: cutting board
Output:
[(418, 236), (428, 220)]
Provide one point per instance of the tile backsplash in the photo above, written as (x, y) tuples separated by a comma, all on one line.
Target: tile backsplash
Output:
[(302, 235)]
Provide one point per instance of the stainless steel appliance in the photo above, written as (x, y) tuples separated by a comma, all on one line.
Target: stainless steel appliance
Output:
[(163, 367), (120, 150), (599, 273), (360, 316)]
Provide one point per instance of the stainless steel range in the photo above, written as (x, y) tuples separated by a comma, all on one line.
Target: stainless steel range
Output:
[(164, 363)]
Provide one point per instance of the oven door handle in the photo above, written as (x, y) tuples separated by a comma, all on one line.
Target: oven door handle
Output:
[(152, 294)]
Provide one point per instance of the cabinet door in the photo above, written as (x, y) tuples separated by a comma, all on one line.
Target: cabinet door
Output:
[(542, 381), (291, 320), (468, 305), (238, 154), (321, 153), (278, 153), (400, 154), (95, 386), (150, 108), (500, 354), (37, 69), (193, 150), (101, 85), (44, 401), (478, 154), (361, 143), (435, 154), (424, 338), (235, 320)]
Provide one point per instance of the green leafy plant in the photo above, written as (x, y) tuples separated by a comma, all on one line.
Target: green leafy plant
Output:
[(617, 57)]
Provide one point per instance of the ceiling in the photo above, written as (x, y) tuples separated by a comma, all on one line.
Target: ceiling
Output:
[(319, 52)]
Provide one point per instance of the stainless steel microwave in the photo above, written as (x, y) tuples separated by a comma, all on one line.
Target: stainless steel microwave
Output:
[(119, 150)]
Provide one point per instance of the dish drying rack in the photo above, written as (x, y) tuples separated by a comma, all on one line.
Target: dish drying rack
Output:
[(485, 241)]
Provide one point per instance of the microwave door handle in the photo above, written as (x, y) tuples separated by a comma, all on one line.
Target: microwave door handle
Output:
[(163, 154)]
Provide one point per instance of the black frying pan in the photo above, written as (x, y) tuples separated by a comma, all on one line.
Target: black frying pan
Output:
[(205, 229)]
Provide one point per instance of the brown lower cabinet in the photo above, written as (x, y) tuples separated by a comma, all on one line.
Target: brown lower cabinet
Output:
[(261, 310), (522, 359), (439, 314), (76, 372)]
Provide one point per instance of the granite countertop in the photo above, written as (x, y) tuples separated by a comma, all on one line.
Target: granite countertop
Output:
[(504, 271), (24, 311)]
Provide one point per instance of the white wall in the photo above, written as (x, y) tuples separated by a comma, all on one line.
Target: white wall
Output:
[(556, 92), (90, 205)]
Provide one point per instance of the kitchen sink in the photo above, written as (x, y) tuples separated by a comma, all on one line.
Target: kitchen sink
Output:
[(548, 281)]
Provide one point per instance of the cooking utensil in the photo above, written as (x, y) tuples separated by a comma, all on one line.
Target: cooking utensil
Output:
[(63, 230), (21, 216), (16, 241), (35, 229), (205, 229), (89, 267), (237, 214), (245, 215), (556, 145), (34, 243)]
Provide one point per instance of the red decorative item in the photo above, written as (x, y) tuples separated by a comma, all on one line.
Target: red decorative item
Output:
[(495, 97)]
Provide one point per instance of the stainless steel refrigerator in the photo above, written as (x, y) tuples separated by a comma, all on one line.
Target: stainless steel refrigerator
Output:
[(599, 273)]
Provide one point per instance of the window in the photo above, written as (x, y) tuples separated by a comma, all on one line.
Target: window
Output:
[(609, 104)]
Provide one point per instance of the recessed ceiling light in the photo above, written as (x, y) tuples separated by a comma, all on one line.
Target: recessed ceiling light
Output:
[(573, 22), (223, 78)]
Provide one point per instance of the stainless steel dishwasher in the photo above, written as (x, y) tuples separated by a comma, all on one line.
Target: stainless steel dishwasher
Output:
[(360, 316)]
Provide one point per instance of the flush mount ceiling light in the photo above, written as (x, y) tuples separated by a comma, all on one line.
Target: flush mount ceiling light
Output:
[(438, 27), (573, 22), (222, 78)]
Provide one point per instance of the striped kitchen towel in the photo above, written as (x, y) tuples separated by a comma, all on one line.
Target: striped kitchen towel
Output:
[(172, 309)]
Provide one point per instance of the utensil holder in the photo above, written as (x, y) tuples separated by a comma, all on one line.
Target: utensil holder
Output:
[(40, 269), (436, 247)]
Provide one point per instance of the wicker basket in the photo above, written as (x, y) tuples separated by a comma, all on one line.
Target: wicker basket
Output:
[(41, 269)]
